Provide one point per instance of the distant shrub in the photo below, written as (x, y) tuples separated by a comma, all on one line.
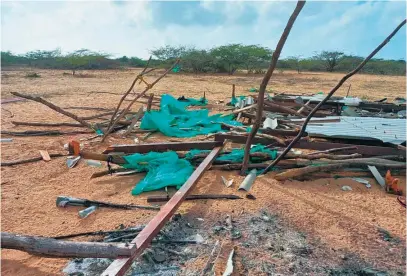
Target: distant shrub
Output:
[(32, 75)]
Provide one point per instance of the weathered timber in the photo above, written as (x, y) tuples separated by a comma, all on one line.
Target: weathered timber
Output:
[(30, 160), (46, 247), (192, 197), (17, 123), (320, 146), (54, 107), (44, 132), (161, 147)]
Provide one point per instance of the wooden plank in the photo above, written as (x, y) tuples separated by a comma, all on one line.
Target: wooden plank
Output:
[(303, 144), (143, 239), (45, 155), (139, 114), (161, 147)]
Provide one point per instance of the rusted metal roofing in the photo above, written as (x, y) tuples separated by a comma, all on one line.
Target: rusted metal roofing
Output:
[(372, 128)]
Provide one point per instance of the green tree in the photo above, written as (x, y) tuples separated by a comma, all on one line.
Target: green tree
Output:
[(331, 59), (254, 57), (84, 58), (227, 58), (198, 61), (168, 52), (137, 62), (294, 62)]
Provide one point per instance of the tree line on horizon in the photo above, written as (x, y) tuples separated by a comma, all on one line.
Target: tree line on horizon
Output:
[(231, 58)]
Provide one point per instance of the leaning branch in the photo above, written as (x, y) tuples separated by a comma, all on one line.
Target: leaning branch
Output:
[(263, 85), (112, 125), (54, 107)]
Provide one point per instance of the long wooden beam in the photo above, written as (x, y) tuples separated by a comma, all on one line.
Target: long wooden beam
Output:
[(144, 238), (48, 247), (160, 147), (302, 144)]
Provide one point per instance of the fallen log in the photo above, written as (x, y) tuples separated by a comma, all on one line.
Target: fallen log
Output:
[(292, 173), (329, 165), (321, 156), (30, 160), (17, 123), (54, 107), (43, 133), (89, 108), (46, 247), (100, 233), (335, 150)]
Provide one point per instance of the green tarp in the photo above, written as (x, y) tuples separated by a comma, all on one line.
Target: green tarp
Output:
[(166, 169), (173, 119)]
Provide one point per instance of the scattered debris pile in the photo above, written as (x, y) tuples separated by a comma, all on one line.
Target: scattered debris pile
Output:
[(301, 136)]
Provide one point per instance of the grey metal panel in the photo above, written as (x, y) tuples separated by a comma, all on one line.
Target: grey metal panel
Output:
[(387, 130)]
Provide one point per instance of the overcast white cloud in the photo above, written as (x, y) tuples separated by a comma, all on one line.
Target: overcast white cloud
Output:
[(132, 28)]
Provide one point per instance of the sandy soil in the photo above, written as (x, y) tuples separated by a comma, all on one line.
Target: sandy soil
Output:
[(340, 221)]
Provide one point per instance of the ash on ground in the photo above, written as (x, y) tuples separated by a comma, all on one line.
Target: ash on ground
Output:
[(268, 246), (179, 241)]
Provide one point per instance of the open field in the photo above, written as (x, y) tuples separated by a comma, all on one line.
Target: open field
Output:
[(342, 227)]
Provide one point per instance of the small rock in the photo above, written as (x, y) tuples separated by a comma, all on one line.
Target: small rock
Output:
[(346, 188)]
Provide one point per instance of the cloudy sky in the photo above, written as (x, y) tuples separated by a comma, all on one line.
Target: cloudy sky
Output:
[(133, 28)]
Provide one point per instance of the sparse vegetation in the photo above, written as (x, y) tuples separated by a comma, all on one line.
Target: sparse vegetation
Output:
[(231, 58)]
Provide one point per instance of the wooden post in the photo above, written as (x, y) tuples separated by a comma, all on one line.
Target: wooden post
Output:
[(347, 93), (233, 91), (150, 101)]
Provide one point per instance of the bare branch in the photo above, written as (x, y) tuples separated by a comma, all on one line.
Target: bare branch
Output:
[(263, 86)]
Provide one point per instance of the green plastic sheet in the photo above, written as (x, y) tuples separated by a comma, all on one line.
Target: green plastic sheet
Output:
[(163, 170), (236, 155), (173, 119), (166, 169)]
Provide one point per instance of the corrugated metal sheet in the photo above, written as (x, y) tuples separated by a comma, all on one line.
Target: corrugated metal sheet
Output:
[(372, 128)]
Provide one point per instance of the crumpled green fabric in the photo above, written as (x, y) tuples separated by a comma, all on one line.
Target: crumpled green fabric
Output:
[(236, 155), (173, 119), (163, 169)]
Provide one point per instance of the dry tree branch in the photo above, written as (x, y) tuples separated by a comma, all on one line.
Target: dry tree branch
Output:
[(347, 76), (263, 85), (54, 107), (109, 130), (127, 93)]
